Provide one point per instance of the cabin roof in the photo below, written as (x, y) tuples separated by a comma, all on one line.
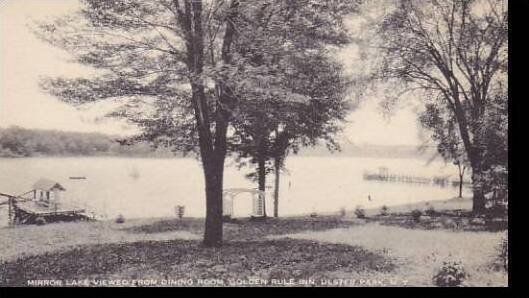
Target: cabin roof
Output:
[(47, 184)]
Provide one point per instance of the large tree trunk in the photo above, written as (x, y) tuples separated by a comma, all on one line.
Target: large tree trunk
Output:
[(478, 193), (478, 165), (214, 169), (473, 153), (277, 166), (213, 172), (212, 148)]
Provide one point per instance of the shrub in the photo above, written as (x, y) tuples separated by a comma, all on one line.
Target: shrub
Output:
[(430, 211), (451, 274), (120, 219), (40, 221), (360, 212), (416, 214), (496, 210), (384, 210), (504, 251), (478, 220), (180, 210), (342, 212), (450, 223)]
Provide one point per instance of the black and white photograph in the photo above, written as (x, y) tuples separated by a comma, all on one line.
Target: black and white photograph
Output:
[(264, 143)]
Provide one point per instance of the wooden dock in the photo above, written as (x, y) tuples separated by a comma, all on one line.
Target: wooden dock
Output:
[(23, 210)]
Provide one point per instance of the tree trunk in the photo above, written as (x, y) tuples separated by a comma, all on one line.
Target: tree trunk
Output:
[(212, 149), (277, 166), (461, 173), (261, 173), (214, 173), (214, 170), (478, 194), (460, 185), (473, 153), (477, 164)]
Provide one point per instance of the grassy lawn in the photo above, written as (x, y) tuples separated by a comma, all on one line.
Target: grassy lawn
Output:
[(245, 229), (25, 240), (390, 248), (185, 259), (417, 253)]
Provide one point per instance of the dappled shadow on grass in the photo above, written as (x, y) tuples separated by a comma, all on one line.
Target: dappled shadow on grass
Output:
[(247, 229), (445, 220), (182, 259), (193, 225)]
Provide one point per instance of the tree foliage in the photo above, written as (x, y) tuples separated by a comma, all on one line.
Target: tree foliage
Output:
[(186, 70), (452, 54), (20, 142)]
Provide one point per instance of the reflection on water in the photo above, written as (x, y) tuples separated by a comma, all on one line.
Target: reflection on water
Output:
[(141, 187)]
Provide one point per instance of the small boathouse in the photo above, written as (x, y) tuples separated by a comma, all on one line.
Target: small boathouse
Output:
[(45, 203)]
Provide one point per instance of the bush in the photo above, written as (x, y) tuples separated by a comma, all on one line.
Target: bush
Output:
[(430, 211), (416, 214), (384, 210), (451, 274), (40, 221), (180, 211), (342, 212), (360, 212), (504, 251), (497, 210), (120, 219)]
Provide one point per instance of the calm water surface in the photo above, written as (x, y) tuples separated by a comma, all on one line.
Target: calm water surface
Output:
[(143, 187)]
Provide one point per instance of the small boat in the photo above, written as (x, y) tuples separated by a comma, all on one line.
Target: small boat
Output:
[(77, 177)]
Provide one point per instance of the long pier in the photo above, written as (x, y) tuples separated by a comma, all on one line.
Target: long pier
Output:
[(397, 178), (438, 180)]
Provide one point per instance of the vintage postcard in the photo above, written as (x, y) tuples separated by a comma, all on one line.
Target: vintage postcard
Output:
[(266, 143)]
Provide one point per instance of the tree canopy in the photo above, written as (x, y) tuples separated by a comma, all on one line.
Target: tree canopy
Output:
[(185, 71), (452, 55)]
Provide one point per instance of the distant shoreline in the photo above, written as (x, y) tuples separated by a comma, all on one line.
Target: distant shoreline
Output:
[(17, 142), (190, 156)]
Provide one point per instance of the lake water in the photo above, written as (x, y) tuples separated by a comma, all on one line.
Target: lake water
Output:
[(144, 187)]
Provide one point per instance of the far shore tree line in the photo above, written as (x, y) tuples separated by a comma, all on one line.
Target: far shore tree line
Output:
[(259, 80), (21, 142)]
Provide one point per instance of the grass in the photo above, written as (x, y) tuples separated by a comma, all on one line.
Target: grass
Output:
[(444, 220), (419, 253), (185, 259), (380, 248), (245, 229), (446, 205), (25, 240)]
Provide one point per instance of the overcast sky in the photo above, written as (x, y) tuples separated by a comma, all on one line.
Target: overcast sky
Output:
[(24, 59)]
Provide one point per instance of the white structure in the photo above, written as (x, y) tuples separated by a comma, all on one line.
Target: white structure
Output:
[(229, 195), (47, 192)]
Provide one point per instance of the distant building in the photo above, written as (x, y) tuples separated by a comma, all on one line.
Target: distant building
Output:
[(47, 191)]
